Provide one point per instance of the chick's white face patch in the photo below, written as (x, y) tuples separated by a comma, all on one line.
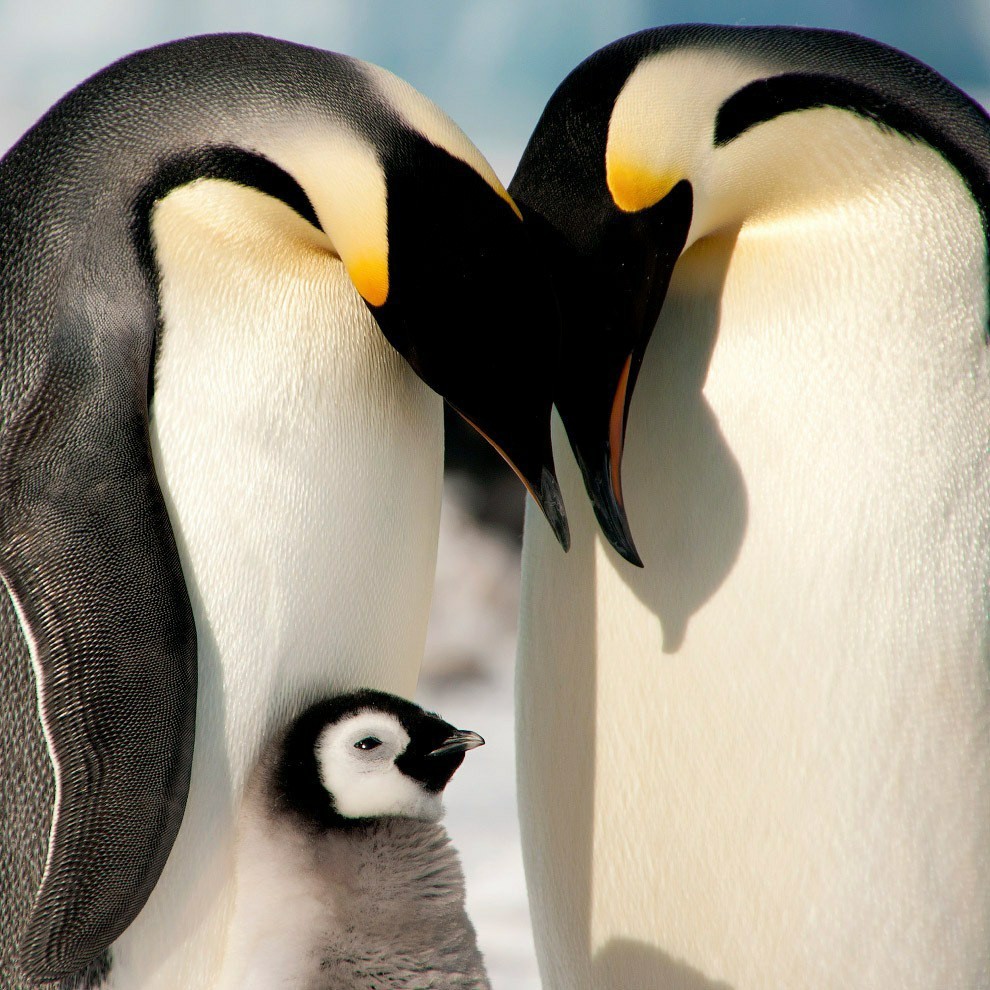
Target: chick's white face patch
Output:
[(356, 759)]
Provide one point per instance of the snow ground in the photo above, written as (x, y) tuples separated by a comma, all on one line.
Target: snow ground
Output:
[(468, 679)]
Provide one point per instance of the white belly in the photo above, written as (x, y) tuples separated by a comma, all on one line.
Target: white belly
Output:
[(764, 760), (301, 463)]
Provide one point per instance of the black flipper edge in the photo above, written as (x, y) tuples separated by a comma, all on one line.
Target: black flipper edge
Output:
[(88, 555)]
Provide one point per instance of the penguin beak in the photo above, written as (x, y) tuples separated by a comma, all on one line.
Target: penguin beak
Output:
[(458, 741), (611, 291), (551, 503), (470, 308), (540, 480), (600, 463)]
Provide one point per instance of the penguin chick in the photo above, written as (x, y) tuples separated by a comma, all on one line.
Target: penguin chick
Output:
[(347, 880)]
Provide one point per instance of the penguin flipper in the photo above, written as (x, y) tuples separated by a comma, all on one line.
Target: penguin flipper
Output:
[(89, 558), (27, 795)]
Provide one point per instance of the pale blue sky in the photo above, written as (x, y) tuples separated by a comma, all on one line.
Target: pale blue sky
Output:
[(490, 63)]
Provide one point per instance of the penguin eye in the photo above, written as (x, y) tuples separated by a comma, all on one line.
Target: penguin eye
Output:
[(369, 742)]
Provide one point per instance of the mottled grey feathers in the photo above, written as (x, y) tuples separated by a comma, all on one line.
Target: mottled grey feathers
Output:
[(406, 924)]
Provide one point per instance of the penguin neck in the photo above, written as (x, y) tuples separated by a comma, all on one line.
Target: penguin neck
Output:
[(751, 163), (816, 163), (398, 859), (401, 887)]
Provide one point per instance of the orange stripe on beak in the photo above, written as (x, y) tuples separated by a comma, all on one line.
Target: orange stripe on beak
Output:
[(505, 456), (615, 429)]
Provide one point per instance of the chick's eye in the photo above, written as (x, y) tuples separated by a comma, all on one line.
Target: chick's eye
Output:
[(369, 742)]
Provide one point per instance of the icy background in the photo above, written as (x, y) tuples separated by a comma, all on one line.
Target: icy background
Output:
[(467, 677), (491, 64)]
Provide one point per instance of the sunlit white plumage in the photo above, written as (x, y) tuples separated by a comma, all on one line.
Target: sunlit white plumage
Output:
[(309, 390)]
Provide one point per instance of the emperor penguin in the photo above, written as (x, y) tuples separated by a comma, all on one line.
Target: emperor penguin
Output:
[(763, 759), (347, 880), (234, 273)]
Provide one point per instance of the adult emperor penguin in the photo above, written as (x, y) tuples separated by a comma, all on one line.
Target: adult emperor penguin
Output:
[(347, 880), (209, 451), (763, 760)]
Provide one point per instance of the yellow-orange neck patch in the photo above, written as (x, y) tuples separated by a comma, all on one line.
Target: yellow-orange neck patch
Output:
[(634, 187), (344, 181), (370, 277)]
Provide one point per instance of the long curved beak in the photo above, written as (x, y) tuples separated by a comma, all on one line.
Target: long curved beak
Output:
[(613, 305), (600, 463), (458, 742), (551, 502)]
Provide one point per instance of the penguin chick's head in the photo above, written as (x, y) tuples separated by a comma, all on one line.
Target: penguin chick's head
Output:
[(367, 755)]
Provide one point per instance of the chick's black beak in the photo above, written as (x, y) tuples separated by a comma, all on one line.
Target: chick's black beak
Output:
[(458, 741)]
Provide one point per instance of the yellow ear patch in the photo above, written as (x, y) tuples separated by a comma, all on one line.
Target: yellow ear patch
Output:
[(634, 187), (370, 277), (343, 178)]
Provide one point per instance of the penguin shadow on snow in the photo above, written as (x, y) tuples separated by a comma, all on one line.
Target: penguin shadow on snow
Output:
[(559, 835), (678, 468)]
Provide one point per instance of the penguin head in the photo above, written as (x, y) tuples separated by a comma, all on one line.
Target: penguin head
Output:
[(367, 755), (377, 177), (470, 308), (440, 254), (688, 133), (611, 266)]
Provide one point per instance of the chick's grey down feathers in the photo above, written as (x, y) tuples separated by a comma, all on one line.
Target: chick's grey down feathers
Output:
[(405, 923), (386, 897)]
